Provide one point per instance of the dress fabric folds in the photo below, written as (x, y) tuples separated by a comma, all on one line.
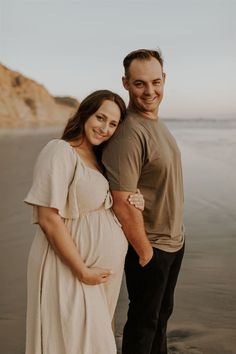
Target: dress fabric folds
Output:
[(64, 315)]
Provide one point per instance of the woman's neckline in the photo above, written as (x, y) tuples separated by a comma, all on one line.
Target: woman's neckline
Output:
[(83, 162)]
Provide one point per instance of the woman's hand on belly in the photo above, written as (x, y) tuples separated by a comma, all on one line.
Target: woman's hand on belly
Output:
[(95, 275)]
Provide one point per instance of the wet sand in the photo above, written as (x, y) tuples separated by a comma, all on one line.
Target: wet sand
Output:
[(204, 320)]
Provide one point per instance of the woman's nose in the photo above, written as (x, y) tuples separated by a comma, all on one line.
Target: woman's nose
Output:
[(104, 128)]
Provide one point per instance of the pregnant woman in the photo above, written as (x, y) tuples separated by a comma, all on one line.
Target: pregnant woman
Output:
[(77, 256)]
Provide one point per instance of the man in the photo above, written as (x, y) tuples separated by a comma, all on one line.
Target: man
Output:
[(143, 154)]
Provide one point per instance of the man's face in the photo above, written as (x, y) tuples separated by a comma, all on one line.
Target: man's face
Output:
[(145, 83)]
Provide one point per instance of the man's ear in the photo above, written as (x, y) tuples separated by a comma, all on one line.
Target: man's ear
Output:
[(125, 82), (164, 77)]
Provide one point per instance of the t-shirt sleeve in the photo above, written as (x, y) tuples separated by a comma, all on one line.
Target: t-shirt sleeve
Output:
[(53, 173), (123, 162)]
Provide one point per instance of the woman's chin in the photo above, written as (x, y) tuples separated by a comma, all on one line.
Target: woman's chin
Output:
[(97, 142)]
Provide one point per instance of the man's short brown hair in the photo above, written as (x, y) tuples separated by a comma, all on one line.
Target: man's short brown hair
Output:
[(141, 54)]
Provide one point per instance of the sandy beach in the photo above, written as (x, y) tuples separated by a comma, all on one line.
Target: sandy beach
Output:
[(204, 320)]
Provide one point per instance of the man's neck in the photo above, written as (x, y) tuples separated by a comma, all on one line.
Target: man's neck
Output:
[(148, 115)]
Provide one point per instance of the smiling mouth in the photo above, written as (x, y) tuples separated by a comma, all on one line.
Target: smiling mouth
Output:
[(99, 135), (149, 100)]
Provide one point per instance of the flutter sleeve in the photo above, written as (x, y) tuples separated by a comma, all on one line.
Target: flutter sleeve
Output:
[(52, 179)]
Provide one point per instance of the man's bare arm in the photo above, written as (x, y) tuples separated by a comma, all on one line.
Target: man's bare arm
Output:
[(132, 222)]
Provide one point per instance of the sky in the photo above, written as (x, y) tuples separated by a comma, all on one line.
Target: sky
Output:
[(74, 47)]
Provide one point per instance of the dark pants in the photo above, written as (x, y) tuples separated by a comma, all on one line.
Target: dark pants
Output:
[(151, 296)]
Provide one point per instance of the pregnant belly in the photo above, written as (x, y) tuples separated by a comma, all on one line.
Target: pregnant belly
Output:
[(100, 240)]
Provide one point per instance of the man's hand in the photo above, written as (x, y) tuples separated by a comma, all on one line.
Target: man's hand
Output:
[(146, 258)]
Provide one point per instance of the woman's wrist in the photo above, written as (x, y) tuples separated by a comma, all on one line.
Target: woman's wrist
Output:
[(82, 272)]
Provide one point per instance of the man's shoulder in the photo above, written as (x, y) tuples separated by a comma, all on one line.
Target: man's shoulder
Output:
[(131, 127), (131, 122)]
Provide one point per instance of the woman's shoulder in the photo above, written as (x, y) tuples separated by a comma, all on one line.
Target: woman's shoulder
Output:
[(58, 149), (58, 143), (58, 146)]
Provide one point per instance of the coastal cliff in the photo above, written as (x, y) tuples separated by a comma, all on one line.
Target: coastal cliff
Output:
[(26, 103)]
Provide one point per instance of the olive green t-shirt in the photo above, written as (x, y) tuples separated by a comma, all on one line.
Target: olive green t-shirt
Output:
[(143, 154)]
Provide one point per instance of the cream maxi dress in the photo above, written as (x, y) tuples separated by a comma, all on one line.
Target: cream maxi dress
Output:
[(65, 316)]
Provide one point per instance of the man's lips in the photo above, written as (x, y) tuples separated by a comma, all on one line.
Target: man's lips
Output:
[(149, 100)]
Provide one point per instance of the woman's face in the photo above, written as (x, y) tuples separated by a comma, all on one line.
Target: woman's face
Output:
[(101, 125)]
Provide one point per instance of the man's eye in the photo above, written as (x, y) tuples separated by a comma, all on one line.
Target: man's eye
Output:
[(156, 83), (138, 84)]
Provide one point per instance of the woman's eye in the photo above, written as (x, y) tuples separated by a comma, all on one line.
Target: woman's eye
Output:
[(113, 125), (101, 119)]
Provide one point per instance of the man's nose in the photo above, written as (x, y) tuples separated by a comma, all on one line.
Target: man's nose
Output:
[(149, 90)]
